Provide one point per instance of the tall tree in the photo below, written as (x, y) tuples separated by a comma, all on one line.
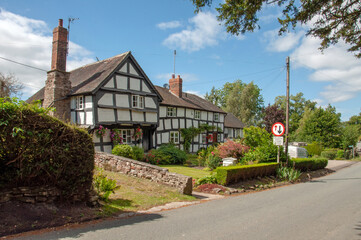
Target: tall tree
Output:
[(244, 101), (298, 104), (213, 97), (321, 125), (9, 86), (332, 20), (273, 114)]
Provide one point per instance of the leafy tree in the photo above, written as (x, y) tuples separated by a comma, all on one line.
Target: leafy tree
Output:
[(256, 136), (332, 20), (321, 125), (298, 104), (213, 96), (273, 114), (9, 86), (242, 100), (350, 134)]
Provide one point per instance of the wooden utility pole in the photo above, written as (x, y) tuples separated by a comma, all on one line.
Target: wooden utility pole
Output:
[(287, 106)]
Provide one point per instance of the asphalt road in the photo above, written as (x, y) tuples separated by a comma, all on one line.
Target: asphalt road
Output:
[(326, 208)]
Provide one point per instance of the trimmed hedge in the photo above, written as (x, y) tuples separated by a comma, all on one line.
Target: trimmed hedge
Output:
[(329, 154), (308, 164), (39, 150), (232, 174)]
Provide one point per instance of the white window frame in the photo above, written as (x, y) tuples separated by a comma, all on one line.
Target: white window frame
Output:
[(171, 112), (79, 102), (216, 117), (137, 101), (203, 138), (197, 114), (126, 135), (174, 137)]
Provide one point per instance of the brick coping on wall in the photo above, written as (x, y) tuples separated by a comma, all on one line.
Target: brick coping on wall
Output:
[(138, 169)]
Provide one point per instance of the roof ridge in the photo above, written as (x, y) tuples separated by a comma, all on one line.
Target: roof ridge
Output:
[(107, 59)]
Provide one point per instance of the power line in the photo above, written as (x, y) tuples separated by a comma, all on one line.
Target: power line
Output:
[(23, 64)]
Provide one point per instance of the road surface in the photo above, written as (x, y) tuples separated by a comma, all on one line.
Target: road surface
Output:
[(326, 208)]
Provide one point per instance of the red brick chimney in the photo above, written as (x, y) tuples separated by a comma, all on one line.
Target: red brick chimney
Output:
[(175, 85), (57, 85), (60, 47)]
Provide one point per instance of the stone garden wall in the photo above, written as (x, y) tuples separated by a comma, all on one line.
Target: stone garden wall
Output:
[(30, 194), (143, 170)]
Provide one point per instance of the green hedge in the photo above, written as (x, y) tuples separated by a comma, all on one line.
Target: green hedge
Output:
[(232, 174), (308, 164), (39, 150), (329, 154)]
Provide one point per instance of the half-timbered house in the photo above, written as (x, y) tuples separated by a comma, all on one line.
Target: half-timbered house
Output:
[(116, 96)]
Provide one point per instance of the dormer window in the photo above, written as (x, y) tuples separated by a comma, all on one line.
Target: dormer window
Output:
[(137, 101)]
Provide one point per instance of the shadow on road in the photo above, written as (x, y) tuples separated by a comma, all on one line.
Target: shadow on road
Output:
[(78, 231), (333, 179), (358, 227)]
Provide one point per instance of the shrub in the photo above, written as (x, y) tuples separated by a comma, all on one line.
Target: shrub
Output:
[(340, 154), (232, 174), (329, 154), (265, 153), (123, 150), (203, 155), (166, 154), (288, 174), (138, 153), (308, 164), (314, 149), (103, 185), (39, 150), (207, 180), (213, 160), (232, 149), (176, 155)]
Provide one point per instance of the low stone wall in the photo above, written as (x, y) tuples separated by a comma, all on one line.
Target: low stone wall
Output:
[(143, 170), (30, 194)]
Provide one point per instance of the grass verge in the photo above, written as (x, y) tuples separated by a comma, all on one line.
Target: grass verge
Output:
[(137, 194), (187, 171)]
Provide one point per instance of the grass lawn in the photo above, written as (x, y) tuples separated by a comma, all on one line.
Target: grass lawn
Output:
[(187, 171), (139, 194)]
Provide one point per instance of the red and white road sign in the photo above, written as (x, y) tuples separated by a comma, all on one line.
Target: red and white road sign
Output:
[(278, 129)]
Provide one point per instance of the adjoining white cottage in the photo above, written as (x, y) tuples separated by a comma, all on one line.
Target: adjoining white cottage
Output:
[(117, 96), (233, 127)]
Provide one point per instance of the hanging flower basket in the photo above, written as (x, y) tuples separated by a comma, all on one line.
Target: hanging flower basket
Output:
[(116, 136), (138, 134), (100, 132)]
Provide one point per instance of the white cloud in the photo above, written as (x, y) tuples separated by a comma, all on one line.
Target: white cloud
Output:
[(29, 41), (169, 25), (204, 31), (283, 43), (335, 65)]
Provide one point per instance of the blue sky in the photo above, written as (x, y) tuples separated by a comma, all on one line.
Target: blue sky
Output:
[(206, 55)]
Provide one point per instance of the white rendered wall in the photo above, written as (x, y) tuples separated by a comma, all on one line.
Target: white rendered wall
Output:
[(122, 100)]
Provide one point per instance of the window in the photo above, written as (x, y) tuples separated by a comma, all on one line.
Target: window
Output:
[(197, 114), (137, 101), (171, 112), (126, 135), (204, 138), (79, 102), (174, 137), (216, 117), (237, 133)]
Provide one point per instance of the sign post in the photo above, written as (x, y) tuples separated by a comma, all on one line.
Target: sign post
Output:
[(278, 129)]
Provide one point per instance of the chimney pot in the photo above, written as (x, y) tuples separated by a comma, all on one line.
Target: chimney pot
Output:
[(60, 22)]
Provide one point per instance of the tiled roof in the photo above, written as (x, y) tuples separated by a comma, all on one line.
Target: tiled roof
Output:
[(87, 78), (172, 100), (187, 100), (232, 121)]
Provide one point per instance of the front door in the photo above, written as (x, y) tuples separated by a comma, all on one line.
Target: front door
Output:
[(146, 139)]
